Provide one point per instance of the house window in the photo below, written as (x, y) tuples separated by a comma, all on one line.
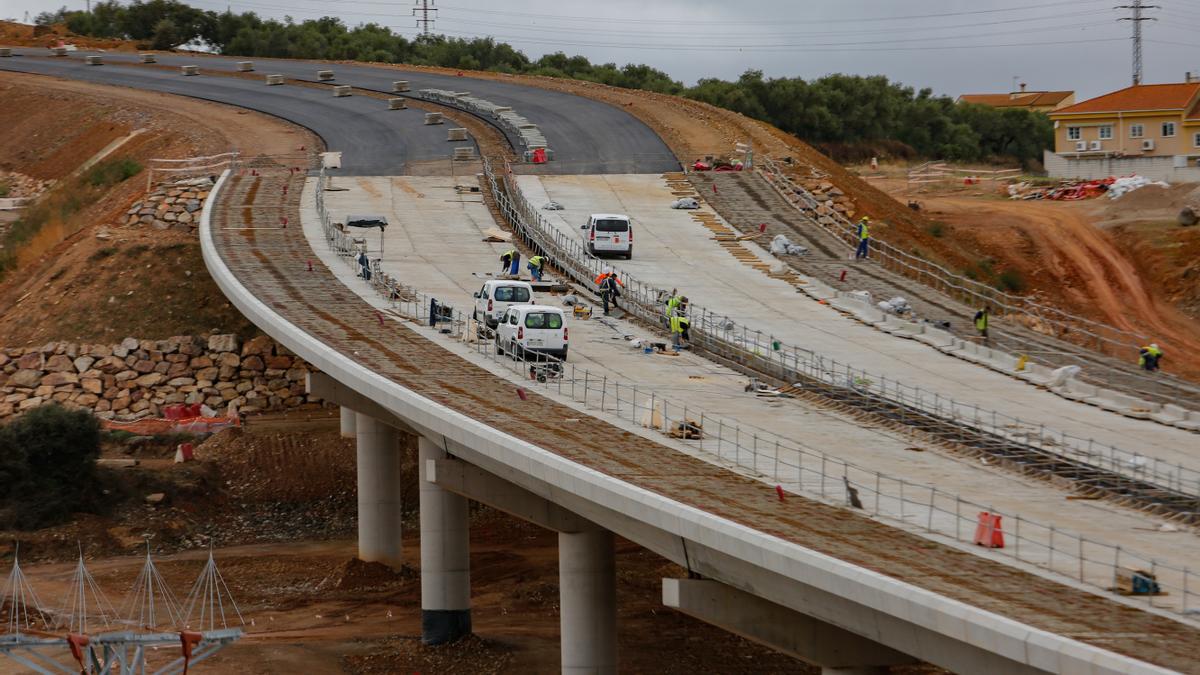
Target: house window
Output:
[(1168, 129), (1136, 131), (1105, 133), (1074, 133), (1196, 140)]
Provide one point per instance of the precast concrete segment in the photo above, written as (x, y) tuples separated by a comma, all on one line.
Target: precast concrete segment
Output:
[(445, 555), (379, 513), (373, 139), (776, 626), (933, 599), (671, 250), (587, 591), (347, 422), (588, 136)]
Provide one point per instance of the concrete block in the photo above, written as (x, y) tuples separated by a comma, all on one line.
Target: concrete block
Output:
[(324, 75), (274, 79), (341, 90), (245, 66), (189, 70), (5, 51), (149, 58), (464, 153), (396, 104), (433, 118), (1170, 414), (94, 60), (58, 51), (400, 85), (456, 134)]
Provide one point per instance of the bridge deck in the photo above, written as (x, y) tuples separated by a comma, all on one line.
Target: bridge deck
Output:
[(271, 263)]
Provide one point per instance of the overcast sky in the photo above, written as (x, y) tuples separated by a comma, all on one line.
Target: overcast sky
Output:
[(943, 44)]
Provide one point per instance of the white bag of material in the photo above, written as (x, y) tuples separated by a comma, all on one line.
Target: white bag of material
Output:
[(570, 300), (1060, 376), (685, 203), (781, 245), (1126, 184), (552, 206), (897, 305)]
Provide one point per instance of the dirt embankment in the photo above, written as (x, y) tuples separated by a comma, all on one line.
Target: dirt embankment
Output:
[(19, 34), (84, 276)]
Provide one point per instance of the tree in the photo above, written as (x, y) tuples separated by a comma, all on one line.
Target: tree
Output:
[(47, 466), (166, 35)]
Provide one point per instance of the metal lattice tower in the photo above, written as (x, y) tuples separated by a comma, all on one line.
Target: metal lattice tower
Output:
[(423, 10), (1136, 18), (19, 604)]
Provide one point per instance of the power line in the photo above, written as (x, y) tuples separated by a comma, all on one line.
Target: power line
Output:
[(1136, 18), (423, 20)]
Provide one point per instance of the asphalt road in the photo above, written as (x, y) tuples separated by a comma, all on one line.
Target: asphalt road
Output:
[(373, 139), (587, 136)]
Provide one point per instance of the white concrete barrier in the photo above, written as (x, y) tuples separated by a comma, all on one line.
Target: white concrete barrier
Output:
[(396, 104), (456, 134), (149, 58), (189, 70), (433, 118), (274, 79), (341, 90), (324, 75), (400, 85), (94, 60), (5, 51), (58, 51), (245, 66)]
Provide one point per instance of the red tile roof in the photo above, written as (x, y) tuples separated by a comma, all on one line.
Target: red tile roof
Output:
[(1138, 97), (1019, 100)]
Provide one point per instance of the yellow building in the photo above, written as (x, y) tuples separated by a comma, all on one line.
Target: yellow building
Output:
[(1148, 129)]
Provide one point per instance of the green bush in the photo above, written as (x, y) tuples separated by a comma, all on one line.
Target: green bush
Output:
[(1011, 281), (47, 466), (112, 171), (937, 230)]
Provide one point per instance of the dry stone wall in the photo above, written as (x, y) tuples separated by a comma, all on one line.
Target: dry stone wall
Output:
[(136, 378), (171, 206)]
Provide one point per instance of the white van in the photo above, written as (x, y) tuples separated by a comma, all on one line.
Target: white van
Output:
[(526, 330), (497, 296), (609, 233)]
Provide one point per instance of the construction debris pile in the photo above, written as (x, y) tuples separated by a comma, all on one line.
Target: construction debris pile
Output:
[(15, 185), (140, 378), (830, 200), (172, 205), (1074, 190)]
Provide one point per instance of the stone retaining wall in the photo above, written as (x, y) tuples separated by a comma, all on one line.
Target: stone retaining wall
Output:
[(136, 378)]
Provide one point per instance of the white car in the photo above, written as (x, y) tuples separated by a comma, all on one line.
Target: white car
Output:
[(496, 296), (607, 233), (531, 330)]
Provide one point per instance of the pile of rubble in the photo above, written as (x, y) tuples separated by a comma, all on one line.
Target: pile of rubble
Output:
[(136, 378), (173, 205), (19, 186), (830, 199)]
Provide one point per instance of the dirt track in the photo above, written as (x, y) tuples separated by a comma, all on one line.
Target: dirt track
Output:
[(1057, 247)]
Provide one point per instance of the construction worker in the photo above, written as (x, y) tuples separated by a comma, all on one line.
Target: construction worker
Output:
[(677, 304), (982, 317), (506, 260), (536, 264), (1149, 357), (610, 288), (864, 237), (679, 330)]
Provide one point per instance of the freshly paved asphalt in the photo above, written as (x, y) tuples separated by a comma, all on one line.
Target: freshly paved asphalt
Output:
[(587, 136)]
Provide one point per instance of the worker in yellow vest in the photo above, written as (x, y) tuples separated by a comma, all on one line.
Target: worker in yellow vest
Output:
[(864, 237), (536, 264), (679, 331), (1149, 356), (982, 318)]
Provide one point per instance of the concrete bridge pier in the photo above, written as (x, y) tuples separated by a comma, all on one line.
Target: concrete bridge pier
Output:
[(587, 579), (378, 491), (347, 422), (445, 555)]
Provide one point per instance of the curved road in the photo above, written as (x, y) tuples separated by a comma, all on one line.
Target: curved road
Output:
[(587, 136)]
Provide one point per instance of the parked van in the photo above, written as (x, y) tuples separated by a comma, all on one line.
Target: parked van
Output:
[(527, 330), (497, 296), (609, 233)]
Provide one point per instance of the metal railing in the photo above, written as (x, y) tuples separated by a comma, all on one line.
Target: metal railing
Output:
[(1163, 387), (767, 354), (791, 464)]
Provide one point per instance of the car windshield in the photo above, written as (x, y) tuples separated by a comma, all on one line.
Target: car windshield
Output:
[(512, 294), (612, 225), (546, 320)]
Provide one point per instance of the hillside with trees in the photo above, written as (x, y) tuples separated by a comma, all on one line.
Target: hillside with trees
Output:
[(848, 117)]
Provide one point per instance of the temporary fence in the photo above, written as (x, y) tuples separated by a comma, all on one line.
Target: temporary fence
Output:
[(190, 166), (787, 462), (1095, 335)]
